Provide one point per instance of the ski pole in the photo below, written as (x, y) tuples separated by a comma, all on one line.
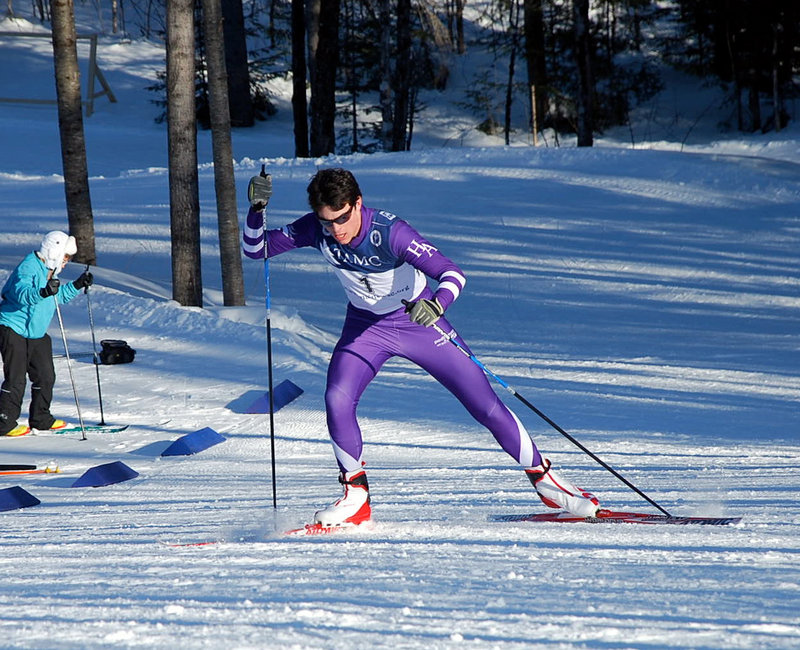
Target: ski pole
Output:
[(452, 339), (269, 379), (69, 367), (94, 350), (267, 299)]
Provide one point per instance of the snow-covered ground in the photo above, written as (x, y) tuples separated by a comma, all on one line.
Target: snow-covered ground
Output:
[(647, 299)]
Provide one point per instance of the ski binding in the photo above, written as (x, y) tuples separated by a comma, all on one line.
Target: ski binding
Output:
[(319, 529)]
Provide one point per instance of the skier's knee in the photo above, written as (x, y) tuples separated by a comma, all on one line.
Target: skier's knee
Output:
[(338, 401)]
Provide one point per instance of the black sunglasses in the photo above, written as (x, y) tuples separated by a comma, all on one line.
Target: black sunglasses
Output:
[(342, 218)]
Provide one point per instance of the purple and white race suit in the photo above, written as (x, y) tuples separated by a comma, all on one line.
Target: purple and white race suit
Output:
[(387, 262)]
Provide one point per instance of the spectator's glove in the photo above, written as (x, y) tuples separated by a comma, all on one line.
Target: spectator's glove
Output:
[(84, 280), (259, 190), (424, 312), (51, 288)]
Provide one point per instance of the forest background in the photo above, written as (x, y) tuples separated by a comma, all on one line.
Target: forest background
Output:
[(553, 69)]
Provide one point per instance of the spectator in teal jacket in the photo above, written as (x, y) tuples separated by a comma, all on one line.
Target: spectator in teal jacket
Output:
[(26, 310)]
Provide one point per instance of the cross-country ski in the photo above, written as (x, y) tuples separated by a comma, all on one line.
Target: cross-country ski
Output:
[(89, 428), (34, 470), (614, 517)]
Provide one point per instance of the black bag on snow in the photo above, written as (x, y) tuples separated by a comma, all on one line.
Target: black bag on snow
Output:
[(116, 351)]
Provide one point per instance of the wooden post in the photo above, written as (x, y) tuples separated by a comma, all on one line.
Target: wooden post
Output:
[(94, 73)]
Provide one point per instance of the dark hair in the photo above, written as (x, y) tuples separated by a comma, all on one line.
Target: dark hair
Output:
[(333, 188)]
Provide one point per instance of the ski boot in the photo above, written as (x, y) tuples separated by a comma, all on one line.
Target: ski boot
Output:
[(557, 492), (57, 424), (17, 431), (353, 508)]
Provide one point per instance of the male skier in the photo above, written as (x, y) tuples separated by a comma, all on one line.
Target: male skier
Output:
[(384, 265)]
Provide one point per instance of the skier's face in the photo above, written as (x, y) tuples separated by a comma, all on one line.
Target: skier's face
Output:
[(64, 262), (343, 224)]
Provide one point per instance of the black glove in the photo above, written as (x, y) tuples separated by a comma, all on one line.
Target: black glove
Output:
[(84, 280), (424, 312), (51, 288), (259, 190)]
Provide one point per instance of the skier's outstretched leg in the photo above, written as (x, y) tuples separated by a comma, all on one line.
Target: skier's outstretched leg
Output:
[(456, 372)]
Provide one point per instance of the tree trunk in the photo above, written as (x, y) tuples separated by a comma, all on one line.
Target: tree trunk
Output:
[(734, 74), (776, 87), (513, 26), (386, 86), (351, 72), (323, 80), (535, 56), (224, 183), (754, 105), (584, 64), (402, 76), (239, 100), (70, 126), (312, 29), (272, 31), (187, 284), (114, 16), (299, 101), (461, 45)]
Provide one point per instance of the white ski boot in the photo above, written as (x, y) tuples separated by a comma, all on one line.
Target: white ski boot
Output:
[(353, 508), (557, 492)]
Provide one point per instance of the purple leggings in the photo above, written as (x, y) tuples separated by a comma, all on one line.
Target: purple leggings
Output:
[(368, 341)]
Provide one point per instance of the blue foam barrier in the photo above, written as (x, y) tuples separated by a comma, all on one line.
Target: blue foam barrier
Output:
[(15, 497), (191, 443), (107, 474), (284, 393)]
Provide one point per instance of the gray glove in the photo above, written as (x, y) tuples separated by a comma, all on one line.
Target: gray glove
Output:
[(424, 312), (51, 288), (259, 190)]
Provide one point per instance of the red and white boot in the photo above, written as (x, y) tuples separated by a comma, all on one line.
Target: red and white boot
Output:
[(557, 492), (353, 508)]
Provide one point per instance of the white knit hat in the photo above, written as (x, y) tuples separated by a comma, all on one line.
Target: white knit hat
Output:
[(54, 246)]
